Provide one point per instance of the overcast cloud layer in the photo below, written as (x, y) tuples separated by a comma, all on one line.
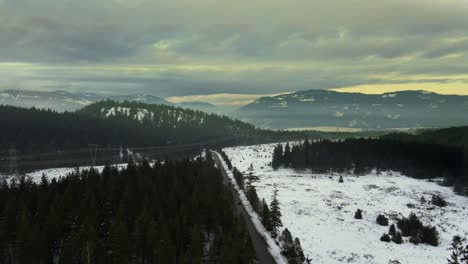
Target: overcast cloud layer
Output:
[(174, 48)]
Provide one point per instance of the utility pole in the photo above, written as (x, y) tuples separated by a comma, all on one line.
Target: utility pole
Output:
[(93, 151), (13, 165)]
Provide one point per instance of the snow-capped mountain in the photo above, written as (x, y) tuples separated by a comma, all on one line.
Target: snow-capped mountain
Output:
[(320, 108), (57, 100), (67, 101)]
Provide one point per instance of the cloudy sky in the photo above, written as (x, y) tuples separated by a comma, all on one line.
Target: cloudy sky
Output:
[(229, 52)]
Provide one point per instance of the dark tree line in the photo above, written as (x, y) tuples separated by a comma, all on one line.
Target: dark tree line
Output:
[(361, 156), (171, 212)]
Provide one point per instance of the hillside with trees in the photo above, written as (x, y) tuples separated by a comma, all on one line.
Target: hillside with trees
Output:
[(36, 137), (453, 136), (170, 212)]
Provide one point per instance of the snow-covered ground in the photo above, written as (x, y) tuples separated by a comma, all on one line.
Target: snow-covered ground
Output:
[(320, 210)]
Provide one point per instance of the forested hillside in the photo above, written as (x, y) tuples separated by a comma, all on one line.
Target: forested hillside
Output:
[(453, 136), (171, 212), (34, 137), (32, 130)]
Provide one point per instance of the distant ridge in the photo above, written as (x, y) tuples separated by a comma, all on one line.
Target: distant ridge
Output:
[(66, 101), (318, 108)]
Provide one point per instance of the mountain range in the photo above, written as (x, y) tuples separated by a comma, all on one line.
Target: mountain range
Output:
[(308, 110), (66, 101), (322, 108)]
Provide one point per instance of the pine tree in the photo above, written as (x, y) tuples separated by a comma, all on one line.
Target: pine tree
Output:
[(464, 257), (119, 242), (277, 157), (300, 258), (89, 242), (287, 155), (358, 214), (397, 238), (253, 198), (196, 245), (275, 213), (457, 249), (392, 230), (287, 244), (266, 216)]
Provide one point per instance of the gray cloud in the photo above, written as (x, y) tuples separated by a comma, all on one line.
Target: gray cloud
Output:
[(208, 46)]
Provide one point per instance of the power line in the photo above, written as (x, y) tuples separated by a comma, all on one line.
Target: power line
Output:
[(93, 150)]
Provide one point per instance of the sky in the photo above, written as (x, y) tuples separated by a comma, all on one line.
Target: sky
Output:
[(231, 52)]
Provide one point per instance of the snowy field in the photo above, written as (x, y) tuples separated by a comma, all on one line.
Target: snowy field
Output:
[(320, 211)]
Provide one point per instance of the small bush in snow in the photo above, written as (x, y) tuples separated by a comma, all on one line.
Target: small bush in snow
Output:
[(423, 200), (438, 201), (385, 238), (382, 220), (358, 214)]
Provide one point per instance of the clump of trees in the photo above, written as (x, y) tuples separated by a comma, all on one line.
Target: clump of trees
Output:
[(290, 248), (412, 227), (171, 212), (392, 236)]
